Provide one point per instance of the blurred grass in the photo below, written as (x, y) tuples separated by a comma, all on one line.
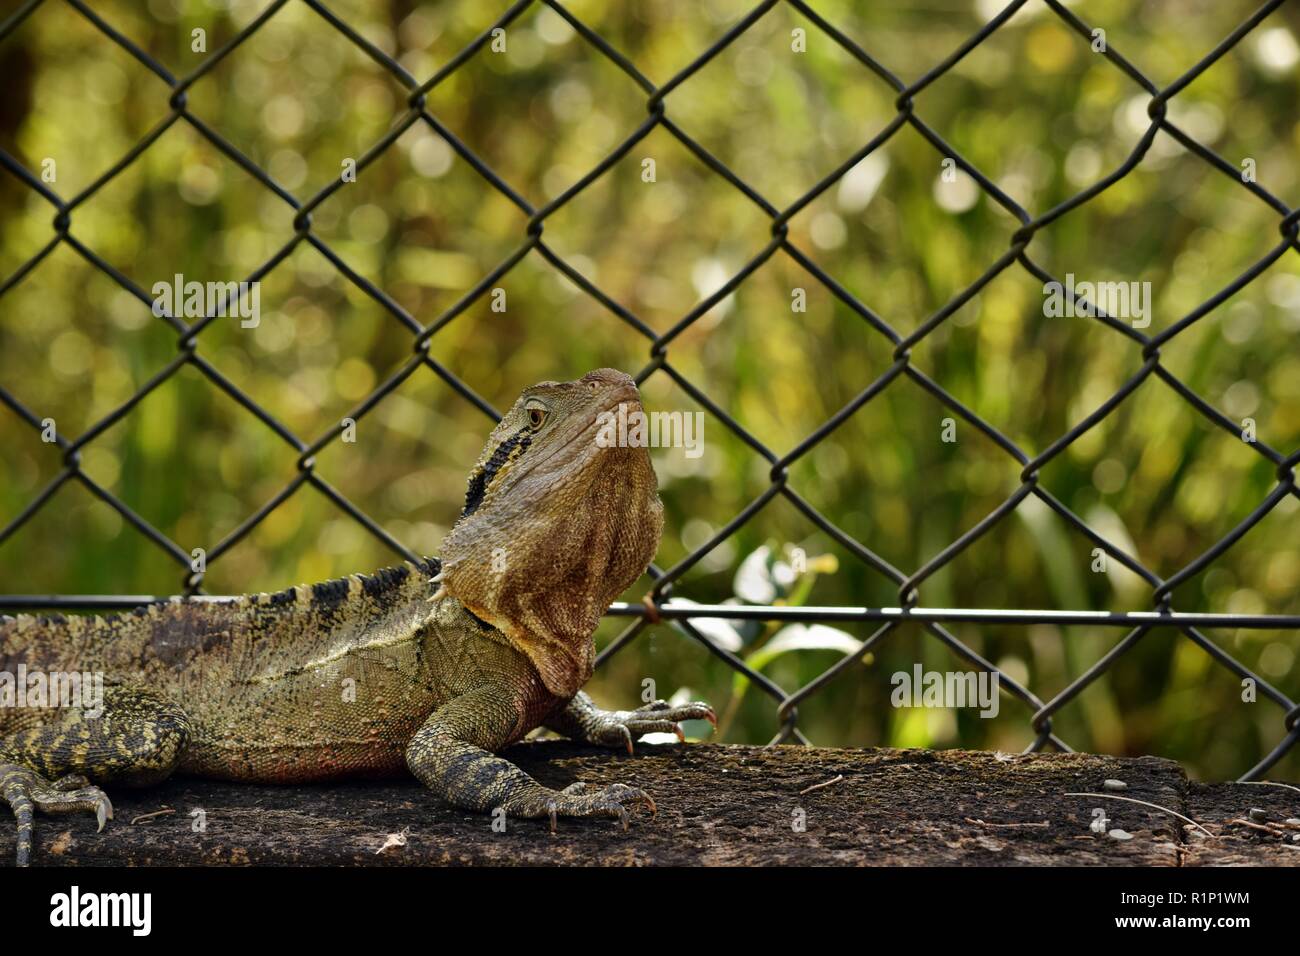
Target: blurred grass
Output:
[(1032, 107)]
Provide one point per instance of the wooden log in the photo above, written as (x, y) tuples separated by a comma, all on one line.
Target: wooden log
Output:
[(717, 804)]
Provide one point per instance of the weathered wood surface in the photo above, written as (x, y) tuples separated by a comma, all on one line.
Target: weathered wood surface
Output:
[(717, 805)]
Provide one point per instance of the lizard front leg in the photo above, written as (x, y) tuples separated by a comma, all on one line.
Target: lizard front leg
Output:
[(581, 720), (451, 755), (138, 740)]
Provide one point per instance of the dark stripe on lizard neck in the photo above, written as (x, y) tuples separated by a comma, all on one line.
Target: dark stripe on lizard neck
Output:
[(481, 480)]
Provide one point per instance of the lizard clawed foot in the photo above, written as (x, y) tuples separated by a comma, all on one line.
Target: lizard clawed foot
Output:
[(27, 791), (585, 800), (619, 728)]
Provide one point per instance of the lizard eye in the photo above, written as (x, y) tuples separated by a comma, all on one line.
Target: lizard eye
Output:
[(536, 415)]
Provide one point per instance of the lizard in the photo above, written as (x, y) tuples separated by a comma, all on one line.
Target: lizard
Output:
[(427, 668)]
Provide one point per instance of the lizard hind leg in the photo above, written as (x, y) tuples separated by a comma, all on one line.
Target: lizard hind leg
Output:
[(138, 739)]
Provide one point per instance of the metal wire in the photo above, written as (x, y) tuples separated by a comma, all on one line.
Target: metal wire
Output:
[(933, 620)]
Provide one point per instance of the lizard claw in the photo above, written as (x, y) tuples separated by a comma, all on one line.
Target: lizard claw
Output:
[(103, 811)]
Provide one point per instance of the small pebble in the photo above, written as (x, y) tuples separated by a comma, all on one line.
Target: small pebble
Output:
[(1258, 815), (1120, 835), (1296, 838), (1113, 784), (1293, 821)]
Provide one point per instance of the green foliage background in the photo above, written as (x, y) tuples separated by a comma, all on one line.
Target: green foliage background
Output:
[(1032, 107)]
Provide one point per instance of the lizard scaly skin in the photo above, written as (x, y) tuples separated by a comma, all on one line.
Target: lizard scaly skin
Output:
[(423, 668)]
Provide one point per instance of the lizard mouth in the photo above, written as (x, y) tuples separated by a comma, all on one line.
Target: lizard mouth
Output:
[(627, 395), (626, 400)]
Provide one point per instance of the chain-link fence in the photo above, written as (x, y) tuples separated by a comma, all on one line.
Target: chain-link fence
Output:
[(933, 619)]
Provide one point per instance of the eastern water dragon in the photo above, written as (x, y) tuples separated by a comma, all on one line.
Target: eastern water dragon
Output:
[(426, 668)]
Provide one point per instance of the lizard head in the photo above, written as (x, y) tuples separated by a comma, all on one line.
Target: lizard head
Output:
[(558, 522)]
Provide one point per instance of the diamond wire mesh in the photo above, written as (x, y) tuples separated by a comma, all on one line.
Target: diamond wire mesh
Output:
[(1139, 624)]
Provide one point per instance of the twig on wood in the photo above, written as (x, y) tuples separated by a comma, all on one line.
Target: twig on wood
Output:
[(164, 812), (817, 786), (1262, 827), (1156, 806), (1269, 783), (985, 823)]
